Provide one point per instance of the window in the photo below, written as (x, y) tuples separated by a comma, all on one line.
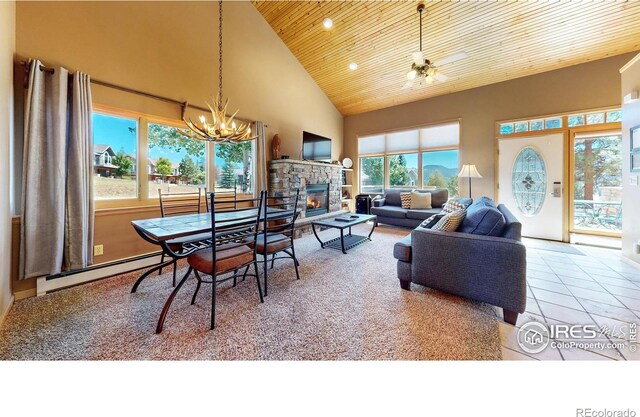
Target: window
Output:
[(372, 174), (234, 166), (536, 125), (522, 127), (115, 145), (595, 118), (440, 170), (414, 158), (614, 116), (559, 121), (575, 120), (554, 123), (506, 128), (403, 170), (176, 163)]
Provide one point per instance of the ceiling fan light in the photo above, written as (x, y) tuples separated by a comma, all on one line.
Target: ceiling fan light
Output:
[(411, 75), (428, 80)]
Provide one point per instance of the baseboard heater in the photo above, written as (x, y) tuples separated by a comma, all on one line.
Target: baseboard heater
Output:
[(94, 272)]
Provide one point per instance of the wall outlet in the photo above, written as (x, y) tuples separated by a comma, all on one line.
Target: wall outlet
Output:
[(98, 250)]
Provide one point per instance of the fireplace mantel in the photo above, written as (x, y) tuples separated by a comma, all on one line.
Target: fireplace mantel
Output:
[(285, 175), (301, 162)]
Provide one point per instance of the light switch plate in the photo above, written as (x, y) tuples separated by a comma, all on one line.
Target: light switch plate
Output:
[(633, 180)]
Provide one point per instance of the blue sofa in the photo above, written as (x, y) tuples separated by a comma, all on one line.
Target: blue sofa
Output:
[(389, 208), (484, 260)]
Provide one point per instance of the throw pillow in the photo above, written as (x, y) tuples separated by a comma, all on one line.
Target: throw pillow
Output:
[(451, 221), (420, 200), (431, 221), (405, 200), (455, 204)]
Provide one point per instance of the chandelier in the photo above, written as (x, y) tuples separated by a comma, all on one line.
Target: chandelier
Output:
[(220, 129)]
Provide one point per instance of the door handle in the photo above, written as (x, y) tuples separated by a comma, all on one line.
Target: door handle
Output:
[(557, 189)]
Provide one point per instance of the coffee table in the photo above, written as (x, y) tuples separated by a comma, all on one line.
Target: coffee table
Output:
[(348, 241)]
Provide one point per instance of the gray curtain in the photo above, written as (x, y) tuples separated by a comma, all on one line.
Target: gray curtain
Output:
[(56, 180), (78, 239), (261, 158)]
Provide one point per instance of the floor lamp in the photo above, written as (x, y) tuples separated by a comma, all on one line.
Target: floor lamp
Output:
[(469, 171)]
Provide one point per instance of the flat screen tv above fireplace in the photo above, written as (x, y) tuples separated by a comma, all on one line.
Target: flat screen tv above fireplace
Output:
[(315, 147)]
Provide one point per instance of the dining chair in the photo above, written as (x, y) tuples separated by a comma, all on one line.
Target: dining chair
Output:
[(279, 234), (178, 204), (234, 232)]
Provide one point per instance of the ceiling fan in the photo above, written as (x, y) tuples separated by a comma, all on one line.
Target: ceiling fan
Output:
[(424, 69)]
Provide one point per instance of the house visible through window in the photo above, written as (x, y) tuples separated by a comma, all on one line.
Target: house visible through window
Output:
[(176, 163), (416, 158), (115, 145)]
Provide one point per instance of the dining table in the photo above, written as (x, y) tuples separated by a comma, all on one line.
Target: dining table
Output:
[(162, 230)]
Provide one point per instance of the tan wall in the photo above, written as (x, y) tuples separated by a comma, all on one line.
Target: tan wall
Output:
[(591, 85), (170, 49), (630, 193), (7, 48)]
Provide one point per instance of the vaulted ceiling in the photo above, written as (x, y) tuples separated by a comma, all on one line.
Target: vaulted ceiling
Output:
[(503, 40)]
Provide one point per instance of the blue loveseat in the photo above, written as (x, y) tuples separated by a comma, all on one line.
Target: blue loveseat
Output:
[(484, 260), (389, 208)]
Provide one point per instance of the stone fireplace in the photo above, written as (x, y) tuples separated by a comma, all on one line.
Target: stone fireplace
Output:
[(317, 199), (319, 184)]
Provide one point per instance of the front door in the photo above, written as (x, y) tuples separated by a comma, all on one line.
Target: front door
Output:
[(530, 183)]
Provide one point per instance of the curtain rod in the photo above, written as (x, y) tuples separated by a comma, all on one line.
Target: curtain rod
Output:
[(183, 104)]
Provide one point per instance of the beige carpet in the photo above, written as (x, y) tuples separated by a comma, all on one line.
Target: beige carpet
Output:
[(344, 307)]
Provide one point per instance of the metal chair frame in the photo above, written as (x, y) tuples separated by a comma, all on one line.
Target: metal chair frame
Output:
[(285, 225), (241, 230), (177, 204)]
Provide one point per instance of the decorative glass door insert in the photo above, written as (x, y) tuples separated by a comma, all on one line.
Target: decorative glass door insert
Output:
[(529, 181)]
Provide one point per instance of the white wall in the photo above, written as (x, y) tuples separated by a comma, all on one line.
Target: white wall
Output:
[(630, 193), (7, 49)]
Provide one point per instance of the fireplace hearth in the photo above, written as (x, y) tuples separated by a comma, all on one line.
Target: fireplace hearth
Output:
[(317, 199)]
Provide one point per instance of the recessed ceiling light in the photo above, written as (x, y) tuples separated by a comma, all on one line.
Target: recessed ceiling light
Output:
[(353, 66), (327, 23)]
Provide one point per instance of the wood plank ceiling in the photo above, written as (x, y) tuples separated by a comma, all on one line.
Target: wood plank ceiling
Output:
[(503, 40)]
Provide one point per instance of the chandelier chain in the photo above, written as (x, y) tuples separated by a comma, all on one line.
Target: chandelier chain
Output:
[(220, 49)]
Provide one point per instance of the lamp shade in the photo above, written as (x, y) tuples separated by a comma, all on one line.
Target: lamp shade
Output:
[(469, 171)]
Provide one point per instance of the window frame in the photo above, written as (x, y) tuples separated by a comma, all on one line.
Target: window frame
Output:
[(142, 155), (420, 151)]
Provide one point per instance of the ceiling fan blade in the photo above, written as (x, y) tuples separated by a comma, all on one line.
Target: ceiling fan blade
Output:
[(440, 77), (451, 58), (418, 58), (408, 84)]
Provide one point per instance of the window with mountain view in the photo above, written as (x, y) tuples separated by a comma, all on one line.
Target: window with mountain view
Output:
[(416, 158), (176, 163), (440, 169), (115, 145)]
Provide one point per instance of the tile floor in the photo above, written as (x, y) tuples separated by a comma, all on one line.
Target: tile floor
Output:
[(595, 287)]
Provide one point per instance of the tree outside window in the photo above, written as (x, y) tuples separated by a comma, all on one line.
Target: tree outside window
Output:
[(234, 166), (176, 163)]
